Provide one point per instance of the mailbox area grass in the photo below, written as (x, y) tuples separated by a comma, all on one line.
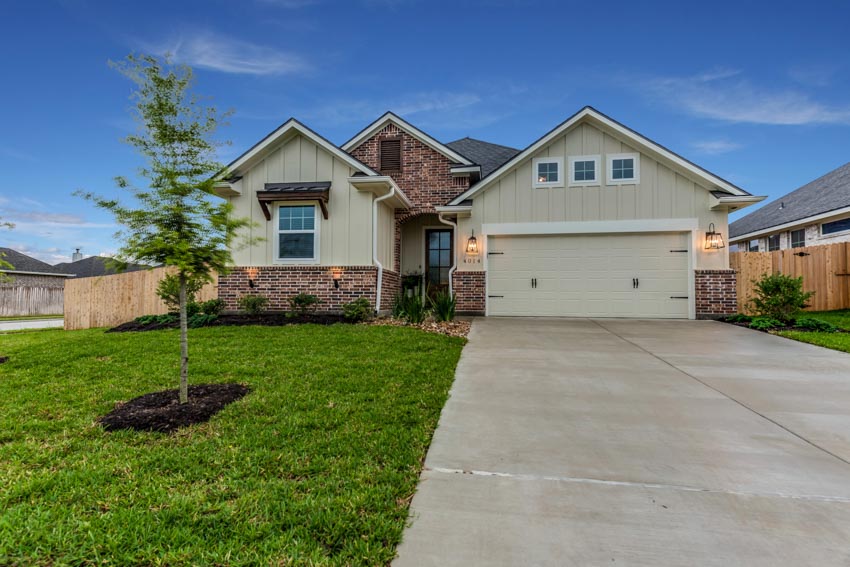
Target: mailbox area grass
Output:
[(316, 465), (835, 341)]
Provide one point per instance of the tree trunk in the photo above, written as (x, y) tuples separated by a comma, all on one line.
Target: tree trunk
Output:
[(184, 343)]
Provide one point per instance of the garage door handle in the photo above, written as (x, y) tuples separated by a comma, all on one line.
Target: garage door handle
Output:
[(495, 296), (678, 297)]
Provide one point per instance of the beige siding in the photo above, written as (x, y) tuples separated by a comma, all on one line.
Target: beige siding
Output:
[(386, 236), (413, 242), (662, 193), (345, 238)]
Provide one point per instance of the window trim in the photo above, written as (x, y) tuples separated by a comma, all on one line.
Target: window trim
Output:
[(540, 185), (831, 234), (316, 233), (596, 159), (609, 169)]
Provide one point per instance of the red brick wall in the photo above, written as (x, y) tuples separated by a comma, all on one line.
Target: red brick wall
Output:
[(279, 283), (716, 294), (426, 176), (390, 287), (469, 289)]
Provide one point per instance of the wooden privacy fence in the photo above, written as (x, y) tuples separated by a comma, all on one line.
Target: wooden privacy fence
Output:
[(107, 301), (18, 300), (825, 270)]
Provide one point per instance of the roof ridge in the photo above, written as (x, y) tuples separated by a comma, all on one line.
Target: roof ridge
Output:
[(483, 142)]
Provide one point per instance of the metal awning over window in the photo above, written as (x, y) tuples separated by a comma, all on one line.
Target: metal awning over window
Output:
[(300, 191)]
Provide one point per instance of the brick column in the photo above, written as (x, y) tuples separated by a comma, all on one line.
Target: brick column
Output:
[(716, 293), (469, 289)]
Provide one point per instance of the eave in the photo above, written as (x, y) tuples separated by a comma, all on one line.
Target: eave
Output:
[(380, 185)]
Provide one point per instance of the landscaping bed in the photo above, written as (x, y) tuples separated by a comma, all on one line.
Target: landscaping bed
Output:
[(232, 320), (315, 466)]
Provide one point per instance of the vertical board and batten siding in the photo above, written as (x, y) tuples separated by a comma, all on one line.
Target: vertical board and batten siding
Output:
[(107, 301), (662, 193), (345, 237), (825, 270), (386, 236)]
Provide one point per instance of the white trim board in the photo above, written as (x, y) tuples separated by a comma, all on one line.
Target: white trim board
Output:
[(637, 139), (591, 227)]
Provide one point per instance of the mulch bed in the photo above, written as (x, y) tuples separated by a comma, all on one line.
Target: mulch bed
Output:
[(162, 411), (455, 328), (240, 320)]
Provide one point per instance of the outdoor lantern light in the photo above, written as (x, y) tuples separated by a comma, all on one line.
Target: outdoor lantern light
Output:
[(337, 275), (472, 245), (713, 240)]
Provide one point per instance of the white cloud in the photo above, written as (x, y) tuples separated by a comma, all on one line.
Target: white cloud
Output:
[(51, 255), (406, 105), (813, 75), (715, 147), (206, 50), (727, 95)]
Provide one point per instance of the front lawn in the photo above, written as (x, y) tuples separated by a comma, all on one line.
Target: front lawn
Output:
[(837, 341), (315, 466)]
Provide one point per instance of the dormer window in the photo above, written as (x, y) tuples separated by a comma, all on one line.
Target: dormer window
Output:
[(548, 172), (390, 155), (623, 169)]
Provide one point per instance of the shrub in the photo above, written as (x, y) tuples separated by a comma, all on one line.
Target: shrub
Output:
[(201, 320), (739, 318), (414, 309), (398, 306), (193, 308), (168, 290), (780, 297), (358, 310), (159, 319), (443, 305), (212, 307), (765, 323), (253, 304), (812, 324), (303, 303)]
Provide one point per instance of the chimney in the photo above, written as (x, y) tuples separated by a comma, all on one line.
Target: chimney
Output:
[(77, 256)]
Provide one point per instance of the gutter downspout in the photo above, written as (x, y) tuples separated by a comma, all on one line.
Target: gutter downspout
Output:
[(454, 252), (375, 247)]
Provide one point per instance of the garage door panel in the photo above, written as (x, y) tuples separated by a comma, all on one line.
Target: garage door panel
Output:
[(589, 275)]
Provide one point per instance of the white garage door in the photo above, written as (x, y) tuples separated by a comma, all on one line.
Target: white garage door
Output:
[(622, 275)]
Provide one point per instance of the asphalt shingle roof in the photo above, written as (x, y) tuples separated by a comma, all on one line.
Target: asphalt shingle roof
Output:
[(488, 156), (827, 193), (91, 266), (24, 263)]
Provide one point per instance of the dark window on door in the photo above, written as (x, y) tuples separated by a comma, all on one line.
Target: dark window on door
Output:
[(798, 238), (772, 242), (438, 258)]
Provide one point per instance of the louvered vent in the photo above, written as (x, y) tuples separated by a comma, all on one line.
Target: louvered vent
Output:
[(390, 154)]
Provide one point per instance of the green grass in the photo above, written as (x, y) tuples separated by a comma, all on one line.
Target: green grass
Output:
[(28, 317), (835, 341), (315, 466), (839, 318)]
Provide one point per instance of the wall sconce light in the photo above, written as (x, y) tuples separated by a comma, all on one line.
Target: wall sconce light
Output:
[(472, 245), (337, 275), (252, 278), (713, 239)]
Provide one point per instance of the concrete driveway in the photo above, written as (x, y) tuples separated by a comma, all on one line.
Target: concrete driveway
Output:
[(623, 442)]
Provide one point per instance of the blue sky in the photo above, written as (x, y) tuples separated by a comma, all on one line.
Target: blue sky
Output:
[(756, 92)]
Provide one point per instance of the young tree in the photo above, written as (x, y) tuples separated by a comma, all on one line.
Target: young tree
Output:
[(176, 220)]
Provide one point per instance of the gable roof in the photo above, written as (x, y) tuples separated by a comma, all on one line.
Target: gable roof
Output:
[(92, 266), (390, 118), (589, 113), (24, 263), (489, 156), (830, 192), (259, 150)]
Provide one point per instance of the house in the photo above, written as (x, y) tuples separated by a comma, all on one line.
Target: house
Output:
[(33, 287), (592, 219), (816, 213), (92, 266)]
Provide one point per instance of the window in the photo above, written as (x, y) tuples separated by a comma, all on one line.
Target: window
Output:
[(584, 170), (547, 172), (798, 238), (390, 155), (623, 168), (438, 258), (297, 239), (835, 226), (753, 246), (772, 242)]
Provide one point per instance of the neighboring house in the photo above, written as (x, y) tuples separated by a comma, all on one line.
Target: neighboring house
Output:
[(816, 213), (593, 219), (93, 266), (32, 288)]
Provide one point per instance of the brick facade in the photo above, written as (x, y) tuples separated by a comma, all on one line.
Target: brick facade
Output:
[(425, 177), (716, 293), (279, 283), (470, 289), (390, 287)]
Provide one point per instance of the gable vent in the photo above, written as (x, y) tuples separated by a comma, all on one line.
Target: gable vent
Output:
[(390, 155)]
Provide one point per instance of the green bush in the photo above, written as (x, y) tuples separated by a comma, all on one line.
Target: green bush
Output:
[(212, 307), (414, 310), (765, 323), (780, 297), (168, 290), (253, 304), (443, 305), (193, 308), (159, 319), (812, 324), (358, 310), (303, 303), (739, 318), (201, 320)]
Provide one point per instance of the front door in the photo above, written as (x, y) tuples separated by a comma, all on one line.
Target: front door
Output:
[(438, 259)]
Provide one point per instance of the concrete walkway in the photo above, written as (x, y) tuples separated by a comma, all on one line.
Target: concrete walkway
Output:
[(46, 323), (622, 442)]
